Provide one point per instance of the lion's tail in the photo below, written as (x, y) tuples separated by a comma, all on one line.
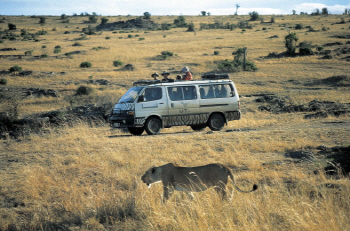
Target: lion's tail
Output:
[(255, 187)]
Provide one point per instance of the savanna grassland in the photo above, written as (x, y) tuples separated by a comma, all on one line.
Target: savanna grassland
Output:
[(82, 175)]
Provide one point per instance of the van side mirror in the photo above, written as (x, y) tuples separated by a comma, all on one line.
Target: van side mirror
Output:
[(141, 98)]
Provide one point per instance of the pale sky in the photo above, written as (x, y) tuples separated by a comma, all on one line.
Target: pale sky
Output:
[(167, 7)]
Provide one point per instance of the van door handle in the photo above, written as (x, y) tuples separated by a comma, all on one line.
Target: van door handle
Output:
[(172, 105), (160, 103)]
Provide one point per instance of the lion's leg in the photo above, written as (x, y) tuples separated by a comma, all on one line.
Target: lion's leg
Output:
[(221, 190), (168, 190)]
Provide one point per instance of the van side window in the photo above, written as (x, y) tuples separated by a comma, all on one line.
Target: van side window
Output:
[(153, 93), (182, 93), (216, 91)]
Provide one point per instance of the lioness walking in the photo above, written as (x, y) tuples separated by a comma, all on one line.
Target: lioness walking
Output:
[(190, 179)]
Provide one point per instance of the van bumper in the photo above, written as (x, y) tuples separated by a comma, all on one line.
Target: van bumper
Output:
[(233, 115), (121, 121)]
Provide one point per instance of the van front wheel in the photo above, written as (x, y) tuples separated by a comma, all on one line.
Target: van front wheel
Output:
[(153, 126), (136, 131), (216, 122)]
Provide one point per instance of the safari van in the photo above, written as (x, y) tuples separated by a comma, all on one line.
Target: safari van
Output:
[(153, 105)]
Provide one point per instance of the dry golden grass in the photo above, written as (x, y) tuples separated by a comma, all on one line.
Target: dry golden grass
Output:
[(87, 177)]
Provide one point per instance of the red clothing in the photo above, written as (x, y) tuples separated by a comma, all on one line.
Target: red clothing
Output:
[(187, 76)]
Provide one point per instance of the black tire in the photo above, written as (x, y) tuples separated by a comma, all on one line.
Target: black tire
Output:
[(198, 128), (136, 131), (216, 122), (153, 126)]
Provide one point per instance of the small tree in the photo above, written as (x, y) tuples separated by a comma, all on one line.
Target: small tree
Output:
[(180, 21), (93, 19), (12, 26), (294, 12), (254, 16), (204, 13), (63, 16), (237, 6), (146, 15), (15, 68), (104, 21), (325, 11), (290, 43), (191, 27)]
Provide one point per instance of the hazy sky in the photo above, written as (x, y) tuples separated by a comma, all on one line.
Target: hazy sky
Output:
[(167, 7)]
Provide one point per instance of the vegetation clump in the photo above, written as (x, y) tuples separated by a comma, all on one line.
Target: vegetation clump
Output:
[(15, 68), (85, 65), (84, 90), (117, 63)]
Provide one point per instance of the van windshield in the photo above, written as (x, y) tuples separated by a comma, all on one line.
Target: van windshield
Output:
[(130, 95)]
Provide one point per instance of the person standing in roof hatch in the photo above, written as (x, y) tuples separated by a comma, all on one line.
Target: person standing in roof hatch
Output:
[(187, 74)]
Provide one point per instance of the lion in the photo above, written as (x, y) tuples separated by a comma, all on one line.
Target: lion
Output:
[(190, 179)]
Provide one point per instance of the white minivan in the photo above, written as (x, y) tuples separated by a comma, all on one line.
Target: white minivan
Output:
[(153, 105)]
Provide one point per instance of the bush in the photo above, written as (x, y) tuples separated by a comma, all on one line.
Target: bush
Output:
[(44, 56), (12, 26), (290, 41), (236, 66), (104, 21), (305, 48), (84, 90), (3, 81), (117, 63), (130, 36), (254, 16), (85, 65), (191, 27), (15, 68), (57, 50), (166, 54), (216, 52), (299, 26), (93, 19), (28, 53)]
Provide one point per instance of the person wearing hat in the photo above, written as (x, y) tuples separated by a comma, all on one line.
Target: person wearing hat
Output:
[(187, 74), (155, 76), (165, 75)]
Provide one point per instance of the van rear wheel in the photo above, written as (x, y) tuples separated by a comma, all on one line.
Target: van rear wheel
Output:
[(153, 126), (216, 122), (136, 131)]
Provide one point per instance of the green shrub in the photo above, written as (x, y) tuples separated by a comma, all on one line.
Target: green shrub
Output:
[(57, 50), (11, 26), (43, 46), (290, 41), (3, 81), (305, 48), (167, 54), (44, 56), (141, 39), (191, 27), (85, 65), (77, 44), (28, 53), (254, 16), (236, 66), (117, 63), (108, 37), (15, 68), (84, 90), (299, 26), (130, 36), (216, 52), (104, 21)]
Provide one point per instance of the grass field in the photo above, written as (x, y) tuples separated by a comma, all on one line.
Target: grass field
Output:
[(85, 176)]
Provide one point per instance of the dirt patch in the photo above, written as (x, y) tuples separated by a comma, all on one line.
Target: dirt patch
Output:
[(323, 109), (339, 159), (138, 23), (334, 81), (15, 128)]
